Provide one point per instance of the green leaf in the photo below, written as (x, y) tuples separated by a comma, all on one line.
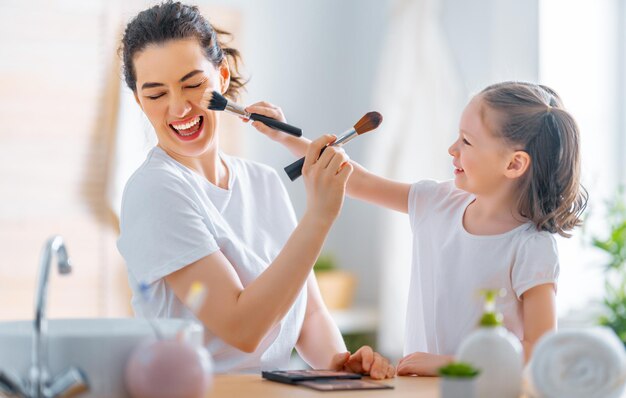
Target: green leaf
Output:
[(325, 262), (458, 369), (615, 278)]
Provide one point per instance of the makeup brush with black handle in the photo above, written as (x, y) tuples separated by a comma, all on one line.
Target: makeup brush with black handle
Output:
[(217, 102), (368, 122)]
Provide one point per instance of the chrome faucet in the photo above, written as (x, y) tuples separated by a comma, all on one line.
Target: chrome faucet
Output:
[(38, 385)]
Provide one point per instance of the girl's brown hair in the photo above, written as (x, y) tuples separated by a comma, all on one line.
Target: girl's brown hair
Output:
[(174, 20), (532, 117)]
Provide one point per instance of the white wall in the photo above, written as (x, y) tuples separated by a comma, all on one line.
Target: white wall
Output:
[(622, 90), (583, 65), (493, 40)]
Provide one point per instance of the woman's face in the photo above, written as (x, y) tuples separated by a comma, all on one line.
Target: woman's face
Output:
[(171, 80)]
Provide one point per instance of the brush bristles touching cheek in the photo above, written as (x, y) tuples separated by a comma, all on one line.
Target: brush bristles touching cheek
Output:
[(216, 101)]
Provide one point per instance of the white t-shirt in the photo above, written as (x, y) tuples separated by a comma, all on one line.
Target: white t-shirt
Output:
[(450, 266), (172, 217)]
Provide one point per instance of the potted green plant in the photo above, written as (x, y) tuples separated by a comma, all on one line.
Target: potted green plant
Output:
[(337, 286), (458, 380), (615, 274)]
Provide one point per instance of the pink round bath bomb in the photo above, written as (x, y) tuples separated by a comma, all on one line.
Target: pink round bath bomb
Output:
[(169, 369)]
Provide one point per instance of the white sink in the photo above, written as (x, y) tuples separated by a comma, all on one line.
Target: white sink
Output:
[(99, 347)]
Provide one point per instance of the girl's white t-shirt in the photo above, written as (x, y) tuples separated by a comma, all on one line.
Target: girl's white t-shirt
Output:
[(172, 217), (450, 266)]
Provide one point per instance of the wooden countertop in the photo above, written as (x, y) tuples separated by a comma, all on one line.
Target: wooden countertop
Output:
[(235, 386)]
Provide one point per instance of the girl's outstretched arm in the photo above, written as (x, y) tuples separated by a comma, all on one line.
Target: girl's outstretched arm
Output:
[(378, 190), (362, 184)]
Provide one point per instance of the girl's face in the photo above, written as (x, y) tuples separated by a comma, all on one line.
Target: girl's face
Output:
[(171, 80), (482, 161)]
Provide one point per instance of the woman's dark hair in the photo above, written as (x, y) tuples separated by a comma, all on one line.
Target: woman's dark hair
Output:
[(171, 21), (532, 117)]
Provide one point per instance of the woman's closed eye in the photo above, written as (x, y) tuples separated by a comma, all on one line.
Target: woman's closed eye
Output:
[(200, 83), (156, 96), (466, 142)]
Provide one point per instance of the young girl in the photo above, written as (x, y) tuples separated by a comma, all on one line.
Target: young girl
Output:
[(517, 169), (191, 214)]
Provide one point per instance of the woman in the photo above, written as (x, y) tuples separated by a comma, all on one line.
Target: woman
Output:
[(193, 214)]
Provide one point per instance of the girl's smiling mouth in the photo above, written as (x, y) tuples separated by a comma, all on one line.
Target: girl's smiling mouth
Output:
[(457, 169)]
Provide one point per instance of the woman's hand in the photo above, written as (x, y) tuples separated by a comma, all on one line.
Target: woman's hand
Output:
[(364, 361), (422, 364), (325, 178)]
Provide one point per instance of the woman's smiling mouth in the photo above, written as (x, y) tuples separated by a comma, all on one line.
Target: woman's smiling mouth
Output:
[(188, 129)]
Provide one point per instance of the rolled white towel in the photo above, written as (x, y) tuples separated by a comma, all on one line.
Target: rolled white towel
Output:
[(581, 363)]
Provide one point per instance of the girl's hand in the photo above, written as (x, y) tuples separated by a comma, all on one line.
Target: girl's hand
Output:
[(297, 145), (325, 178), (269, 110), (364, 361), (422, 364)]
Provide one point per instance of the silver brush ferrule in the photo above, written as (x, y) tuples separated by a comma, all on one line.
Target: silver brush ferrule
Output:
[(236, 109), (345, 137)]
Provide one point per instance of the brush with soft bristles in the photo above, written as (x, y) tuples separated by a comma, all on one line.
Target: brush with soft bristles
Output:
[(369, 122), (217, 102)]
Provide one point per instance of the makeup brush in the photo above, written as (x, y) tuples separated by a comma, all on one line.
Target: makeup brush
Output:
[(217, 102), (368, 122)]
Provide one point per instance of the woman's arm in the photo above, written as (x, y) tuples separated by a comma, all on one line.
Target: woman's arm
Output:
[(243, 316), (321, 344), (362, 184), (320, 339), (539, 312)]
